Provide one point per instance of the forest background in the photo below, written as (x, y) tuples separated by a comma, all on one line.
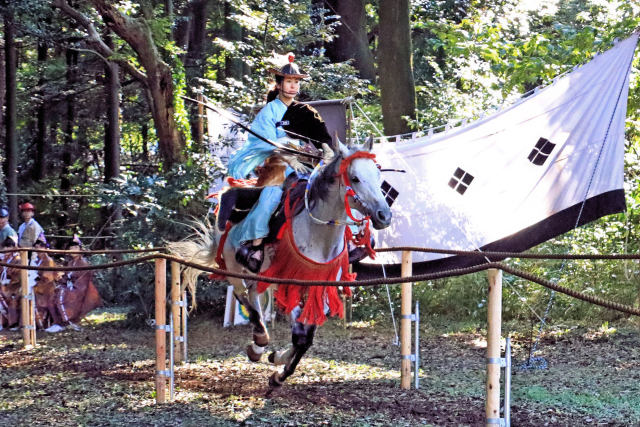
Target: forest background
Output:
[(96, 135)]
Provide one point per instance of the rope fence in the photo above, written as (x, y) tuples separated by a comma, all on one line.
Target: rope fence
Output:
[(370, 282), (177, 328)]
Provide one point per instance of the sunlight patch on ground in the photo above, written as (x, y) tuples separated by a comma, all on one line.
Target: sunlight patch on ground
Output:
[(107, 315)]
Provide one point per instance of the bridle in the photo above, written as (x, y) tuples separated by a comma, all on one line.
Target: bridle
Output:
[(343, 174)]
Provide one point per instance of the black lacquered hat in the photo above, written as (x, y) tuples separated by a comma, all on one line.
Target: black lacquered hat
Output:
[(290, 69)]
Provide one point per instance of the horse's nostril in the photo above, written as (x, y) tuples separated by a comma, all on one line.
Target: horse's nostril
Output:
[(383, 215)]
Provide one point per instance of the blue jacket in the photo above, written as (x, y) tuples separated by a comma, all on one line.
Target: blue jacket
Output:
[(255, 151)]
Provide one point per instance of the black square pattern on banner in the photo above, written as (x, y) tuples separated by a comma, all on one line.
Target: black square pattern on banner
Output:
[(460, 181), (541, 151), (390, 193)]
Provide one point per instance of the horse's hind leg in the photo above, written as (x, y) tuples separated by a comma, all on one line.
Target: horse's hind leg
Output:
[(250, 299), (302, 339)]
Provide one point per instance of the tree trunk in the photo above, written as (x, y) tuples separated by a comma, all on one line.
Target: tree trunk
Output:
[(11, 147), (352, 41), (395, 66), (156, 77), (112, 127), (40, 165), (232, 32), (69, 143), (194, 61)]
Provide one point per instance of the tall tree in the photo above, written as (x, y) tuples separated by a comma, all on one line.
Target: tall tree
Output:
[(352, 40), (112, 127), (11, 142), (395, 65), (154, 73), (40, 164)]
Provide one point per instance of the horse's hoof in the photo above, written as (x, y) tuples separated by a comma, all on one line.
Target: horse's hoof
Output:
[(261, 340), (253, 356), (274, 381), (272, 357)]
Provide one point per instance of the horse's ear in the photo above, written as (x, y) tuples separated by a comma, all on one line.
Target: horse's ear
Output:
[(368, 144), (344, 150)]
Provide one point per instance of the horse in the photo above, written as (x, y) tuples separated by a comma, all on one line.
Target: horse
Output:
[(316, 228), (10, 290), (44, 289)]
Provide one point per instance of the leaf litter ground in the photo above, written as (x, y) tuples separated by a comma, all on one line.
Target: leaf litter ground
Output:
[(103, 375)]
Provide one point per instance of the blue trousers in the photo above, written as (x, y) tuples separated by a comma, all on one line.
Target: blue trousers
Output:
[(256, 223)]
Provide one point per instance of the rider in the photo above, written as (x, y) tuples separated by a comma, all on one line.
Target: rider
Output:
[(5, 228), (280, 115), (29, 231)]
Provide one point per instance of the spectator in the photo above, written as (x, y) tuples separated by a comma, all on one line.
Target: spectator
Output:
[(29, 231), (5, 229)]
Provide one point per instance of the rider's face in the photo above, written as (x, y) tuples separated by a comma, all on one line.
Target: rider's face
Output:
[(3, 221), (289, 87)]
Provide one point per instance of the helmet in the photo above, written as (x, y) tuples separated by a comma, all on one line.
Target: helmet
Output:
[(41, 240), (4, 212), (74, 241), (26, 206), (289, 70)]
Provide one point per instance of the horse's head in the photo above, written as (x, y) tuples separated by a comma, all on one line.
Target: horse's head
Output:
[(356, 168)]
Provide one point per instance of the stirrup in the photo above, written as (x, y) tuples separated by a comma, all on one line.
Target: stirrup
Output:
[(245, 256)]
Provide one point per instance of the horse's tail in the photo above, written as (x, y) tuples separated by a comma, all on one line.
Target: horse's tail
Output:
[(200, 248)]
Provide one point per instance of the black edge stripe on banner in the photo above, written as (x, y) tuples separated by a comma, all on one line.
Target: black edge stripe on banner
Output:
[(595, 207)]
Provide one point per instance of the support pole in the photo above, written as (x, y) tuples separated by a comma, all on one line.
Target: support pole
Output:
[(494, 322), (175, 307), (25, 312), (405, 323), (161, 331), (200, 120)]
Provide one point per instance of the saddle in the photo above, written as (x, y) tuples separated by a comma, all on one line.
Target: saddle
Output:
[(235, 203)]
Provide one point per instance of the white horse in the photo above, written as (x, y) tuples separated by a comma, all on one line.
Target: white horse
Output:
[(318, 233)]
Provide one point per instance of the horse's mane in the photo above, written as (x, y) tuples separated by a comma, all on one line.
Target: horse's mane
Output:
[(327, 177)]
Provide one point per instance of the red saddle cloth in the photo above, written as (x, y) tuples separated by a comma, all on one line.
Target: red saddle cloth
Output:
[(289, 263)]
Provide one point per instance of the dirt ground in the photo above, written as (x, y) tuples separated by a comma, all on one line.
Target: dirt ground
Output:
[(104, 375)]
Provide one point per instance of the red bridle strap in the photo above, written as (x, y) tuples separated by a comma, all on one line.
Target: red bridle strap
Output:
[(364, 237)]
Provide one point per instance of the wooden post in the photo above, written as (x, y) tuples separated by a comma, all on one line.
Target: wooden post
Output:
[(25, 312), (175, 308), (405, 323), (161, 333), (494, 323)]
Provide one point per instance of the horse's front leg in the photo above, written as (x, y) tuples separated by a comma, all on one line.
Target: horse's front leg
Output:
[(248, 296), (301, 340)]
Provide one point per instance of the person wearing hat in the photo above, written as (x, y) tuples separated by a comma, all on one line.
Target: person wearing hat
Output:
[(6, 230), (280, 115), (29, 230)]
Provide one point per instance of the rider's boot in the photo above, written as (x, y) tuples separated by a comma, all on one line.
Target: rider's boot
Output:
[(250, 256)]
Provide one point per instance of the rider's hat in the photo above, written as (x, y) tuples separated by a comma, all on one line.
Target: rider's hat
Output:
[(41, 241), (11, 241), (290, 69), (74, 241), (4, 212), (26, 206)]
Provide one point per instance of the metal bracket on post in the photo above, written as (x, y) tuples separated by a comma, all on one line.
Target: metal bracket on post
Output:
[(180, 303), (166, 328), (164, 373), (504, 362)]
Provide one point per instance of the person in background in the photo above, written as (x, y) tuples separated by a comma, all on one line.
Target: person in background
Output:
[(5, 228), (29, 231), (76, 295)]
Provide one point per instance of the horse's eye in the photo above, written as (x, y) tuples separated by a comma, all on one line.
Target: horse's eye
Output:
[(355, 179)]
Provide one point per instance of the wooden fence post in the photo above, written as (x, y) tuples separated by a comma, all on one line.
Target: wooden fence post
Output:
[(161, 332), (25, 307), (405, 323), (175, 308), (494, 324)]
